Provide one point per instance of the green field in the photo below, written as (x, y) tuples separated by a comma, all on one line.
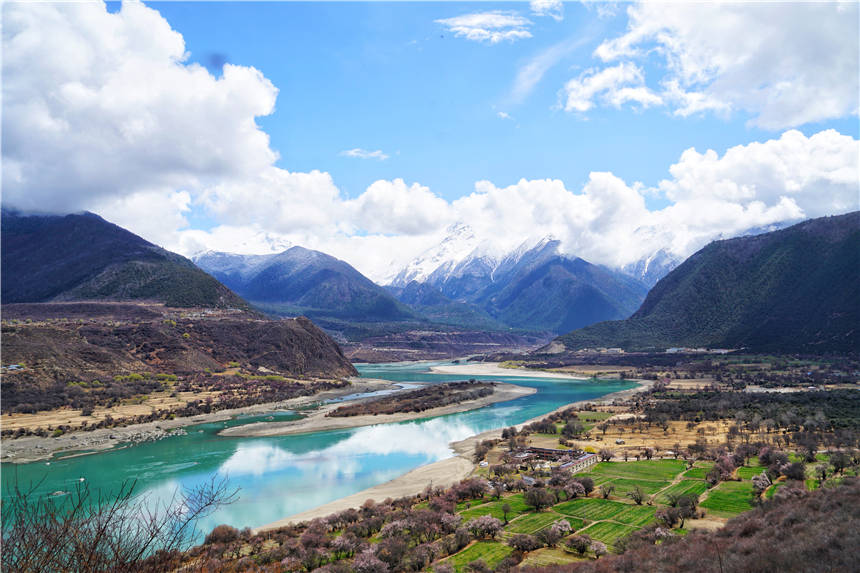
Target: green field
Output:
[(624, 485), (533, 523), (608, 532), (747, 472), (638, 515), (549, 556), (491, 553), (729, 499), (683, 487), (699, 471), (591, 509), (494, 508), (654, 470), (772, 489)]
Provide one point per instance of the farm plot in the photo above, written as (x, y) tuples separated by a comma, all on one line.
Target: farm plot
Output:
[(494, 508), (700, 471), (638, 515), (729, 499), (533, 522), (591, 509), (490, 552), (624, 485), (683, 487), (608, 532), (653, 470), (747, 472), (548, 556)]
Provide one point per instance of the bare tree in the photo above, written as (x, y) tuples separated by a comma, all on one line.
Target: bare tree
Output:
[(120, 531)]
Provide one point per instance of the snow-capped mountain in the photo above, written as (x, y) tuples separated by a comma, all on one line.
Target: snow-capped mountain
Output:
[(534, 286), (460, 245), (461, 265), (652, 268)]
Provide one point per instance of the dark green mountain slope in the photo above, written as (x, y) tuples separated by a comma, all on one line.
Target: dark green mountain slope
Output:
[(796, 289), (302, 281), (84, 257)]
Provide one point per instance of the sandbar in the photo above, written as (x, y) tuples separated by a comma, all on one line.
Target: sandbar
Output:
[(317, 421)]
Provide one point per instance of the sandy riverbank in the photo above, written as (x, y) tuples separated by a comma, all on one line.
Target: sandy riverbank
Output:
[(477, 369), (34, 448), (444, 472), (318, 422)]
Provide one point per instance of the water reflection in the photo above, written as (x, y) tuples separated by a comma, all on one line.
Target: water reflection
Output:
[(281, 476)]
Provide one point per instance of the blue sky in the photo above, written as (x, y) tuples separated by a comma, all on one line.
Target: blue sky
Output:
[(368, 129), (386, 76)]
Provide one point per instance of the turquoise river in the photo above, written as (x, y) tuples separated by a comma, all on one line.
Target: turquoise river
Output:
[(282, 476)]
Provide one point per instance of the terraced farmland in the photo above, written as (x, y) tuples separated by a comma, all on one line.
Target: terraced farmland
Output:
[(491, 553), (608, 532), (638, 515), (533, 523), (729, 499), (699, 472), (683, 487), (624, 485), (652, 470), (549, 556), (494, 508), (591, 509), (747, 472)]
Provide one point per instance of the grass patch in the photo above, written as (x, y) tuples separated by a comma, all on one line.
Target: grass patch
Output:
[(683, 487), (699, 471), (533, 522), (624, 485), (591, 509), (746, 472), (772, 489), (494, 508), (490, 552), (729, 499), (638, 515), (608, 532), (653, 470), (575, 523), (549, 556)]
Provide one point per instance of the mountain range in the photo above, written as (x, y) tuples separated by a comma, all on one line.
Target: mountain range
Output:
[(792, 290), (303, 281), (533, 287), (83, 257)]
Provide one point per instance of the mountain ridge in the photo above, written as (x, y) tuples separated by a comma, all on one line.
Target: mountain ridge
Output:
[(793, 289), (304, 281), (84, 257)]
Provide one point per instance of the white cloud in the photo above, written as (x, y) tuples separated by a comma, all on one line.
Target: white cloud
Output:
[(819, 173), (392, 207), (493, 27), (786, 64), (503, 115), (365, 154), (532, 72), (552, 8), (101, 105), (614, 86), (122, 125)]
